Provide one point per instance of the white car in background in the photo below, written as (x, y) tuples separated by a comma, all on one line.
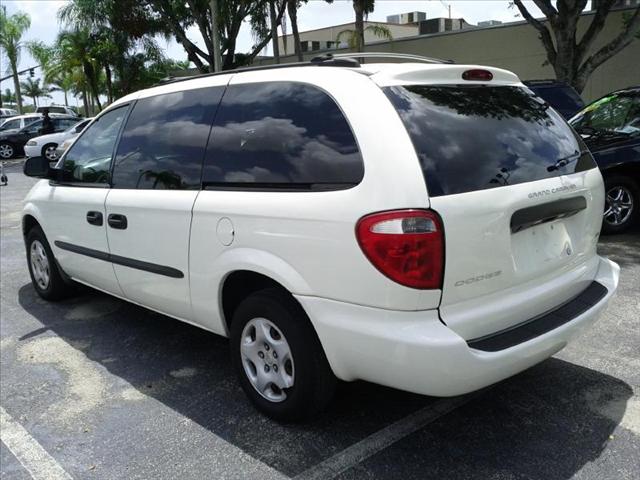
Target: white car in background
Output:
[(47, 145), (21, 121)]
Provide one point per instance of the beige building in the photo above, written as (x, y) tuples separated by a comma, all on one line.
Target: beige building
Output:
[(327, 38), (513, 46)]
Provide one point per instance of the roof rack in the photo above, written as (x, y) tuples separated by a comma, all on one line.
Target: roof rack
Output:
[(349, 60), (397, 56)]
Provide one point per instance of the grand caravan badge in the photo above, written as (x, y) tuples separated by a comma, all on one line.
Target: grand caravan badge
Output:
[(551, 191)]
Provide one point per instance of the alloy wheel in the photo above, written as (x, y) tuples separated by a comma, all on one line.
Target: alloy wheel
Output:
[(6, 151), (619, 205)]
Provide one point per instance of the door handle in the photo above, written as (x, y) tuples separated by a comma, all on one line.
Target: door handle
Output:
[(117, 221), (94, 218)]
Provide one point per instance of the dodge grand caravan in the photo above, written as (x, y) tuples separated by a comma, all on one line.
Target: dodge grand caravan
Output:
[(426, 226)]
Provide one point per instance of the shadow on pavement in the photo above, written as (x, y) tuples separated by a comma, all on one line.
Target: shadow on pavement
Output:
[(544, 423)]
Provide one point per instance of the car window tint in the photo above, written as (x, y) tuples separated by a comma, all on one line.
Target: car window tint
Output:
[(11, 124), (33, 127), (281, 135), (164, 140), (477, 137), (89, 159)]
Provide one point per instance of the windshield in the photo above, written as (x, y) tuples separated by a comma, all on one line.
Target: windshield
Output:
[(478, 137), (616, 113)]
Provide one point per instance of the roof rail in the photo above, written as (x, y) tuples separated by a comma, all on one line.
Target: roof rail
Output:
[(398, 56), (349, 60)]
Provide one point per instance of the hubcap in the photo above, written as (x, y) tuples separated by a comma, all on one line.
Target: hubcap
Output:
[(50, 153), (39, 264), (6, 151), (619, 205), (266, 359)]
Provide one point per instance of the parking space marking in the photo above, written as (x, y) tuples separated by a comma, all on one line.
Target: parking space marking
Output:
[(369, 446), (30, 454)]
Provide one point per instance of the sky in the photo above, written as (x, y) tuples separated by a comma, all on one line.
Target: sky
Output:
[(314, 14)]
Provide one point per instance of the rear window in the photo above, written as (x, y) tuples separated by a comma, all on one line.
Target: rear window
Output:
[(478, 137), (561, 97)]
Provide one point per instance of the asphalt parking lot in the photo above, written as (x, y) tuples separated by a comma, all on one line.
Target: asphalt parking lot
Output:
[(94, 387)]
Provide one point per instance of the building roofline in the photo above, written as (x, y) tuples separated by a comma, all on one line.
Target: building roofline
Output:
[(351, 23)]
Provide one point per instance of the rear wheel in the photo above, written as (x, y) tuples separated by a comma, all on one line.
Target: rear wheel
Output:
[(278, 358), (43, 269), (6, 150), (621, 204), (49, 152)]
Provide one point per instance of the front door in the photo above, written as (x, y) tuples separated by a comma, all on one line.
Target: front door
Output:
[(74, 215), (156, 179)]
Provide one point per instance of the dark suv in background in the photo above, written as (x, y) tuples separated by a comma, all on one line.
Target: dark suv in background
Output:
[(559, 95), (610, 127)]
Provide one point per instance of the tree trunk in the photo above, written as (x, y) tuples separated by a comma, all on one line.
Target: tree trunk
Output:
[(66, 103), (292, 10), (16, 86), (85, 103), (89, 73), (35, 102), (216, 63), (358, 7), (107, 73), (274, 30)]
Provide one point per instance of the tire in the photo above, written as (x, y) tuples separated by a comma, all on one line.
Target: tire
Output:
[(304, 383), (622, 203), (43, 269), (49, 152), (7, 150)]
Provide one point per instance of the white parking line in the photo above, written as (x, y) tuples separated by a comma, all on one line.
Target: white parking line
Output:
[(359, 452), (34, 458)]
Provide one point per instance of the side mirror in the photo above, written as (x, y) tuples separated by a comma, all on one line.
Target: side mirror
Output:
[(38, 167)]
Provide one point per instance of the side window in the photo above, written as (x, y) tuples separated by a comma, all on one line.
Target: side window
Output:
[(164, 140), (281, 135), (33, 127), (89, 159), (610, 113), (11, 124)]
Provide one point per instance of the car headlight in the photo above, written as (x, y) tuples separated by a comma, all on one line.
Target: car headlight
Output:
[(32, 143)]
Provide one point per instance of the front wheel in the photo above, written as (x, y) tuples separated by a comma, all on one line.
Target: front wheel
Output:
[(278, 358), (49, 152), (43, 269), (621, 204)]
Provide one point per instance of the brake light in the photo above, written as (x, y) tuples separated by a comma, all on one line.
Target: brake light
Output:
[(405, 245), (478, 75)]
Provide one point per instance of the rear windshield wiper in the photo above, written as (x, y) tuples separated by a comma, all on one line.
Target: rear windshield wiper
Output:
[(564, 161)]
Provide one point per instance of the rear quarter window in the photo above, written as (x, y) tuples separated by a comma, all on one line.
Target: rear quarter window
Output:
[(478, 137), (281, 135)]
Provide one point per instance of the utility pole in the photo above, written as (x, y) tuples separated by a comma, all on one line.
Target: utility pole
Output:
[(216, 64)]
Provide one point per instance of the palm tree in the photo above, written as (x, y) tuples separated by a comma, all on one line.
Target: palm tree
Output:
[(32, 88), (11, 30), (362, 9), (292, 12), (75, 48), (8, 96), (353, 39)]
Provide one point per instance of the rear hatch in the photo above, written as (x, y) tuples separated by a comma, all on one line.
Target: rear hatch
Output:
[(519, 195)]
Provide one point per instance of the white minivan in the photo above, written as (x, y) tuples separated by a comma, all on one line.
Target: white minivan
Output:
[(426, 226)]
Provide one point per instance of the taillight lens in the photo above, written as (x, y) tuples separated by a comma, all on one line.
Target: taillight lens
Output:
[(405, 245)]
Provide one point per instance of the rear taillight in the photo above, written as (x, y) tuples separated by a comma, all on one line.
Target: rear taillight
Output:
[(405, 245)]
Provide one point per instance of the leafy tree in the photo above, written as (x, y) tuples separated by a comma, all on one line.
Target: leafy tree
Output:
[(176, 16), (12, 28), (8, 96), (353, 39), (292, 10), (32, 88), (568, 55)]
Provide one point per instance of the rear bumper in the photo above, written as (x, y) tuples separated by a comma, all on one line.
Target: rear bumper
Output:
[(414, 351)]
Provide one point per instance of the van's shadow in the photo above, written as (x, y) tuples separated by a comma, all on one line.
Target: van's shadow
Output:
[(552, 408)]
